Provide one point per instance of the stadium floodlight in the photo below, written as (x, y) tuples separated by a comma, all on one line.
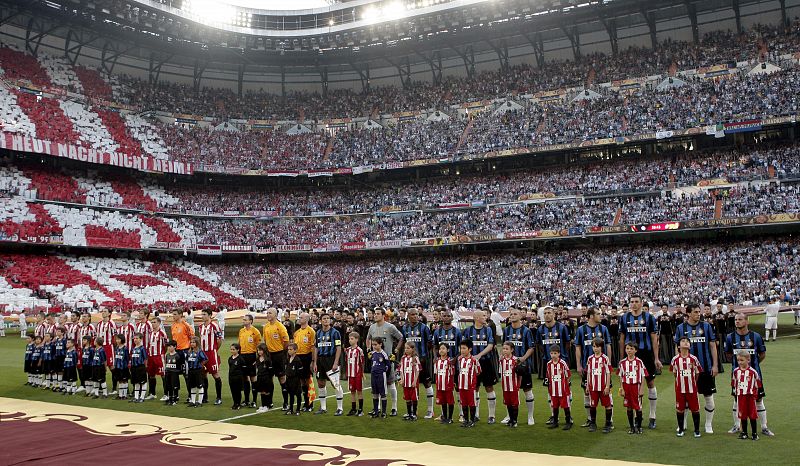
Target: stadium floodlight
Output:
[(210, 11), (394, 10)]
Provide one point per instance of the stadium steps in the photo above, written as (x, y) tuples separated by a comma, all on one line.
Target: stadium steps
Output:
[(617, 216), (464, 135)]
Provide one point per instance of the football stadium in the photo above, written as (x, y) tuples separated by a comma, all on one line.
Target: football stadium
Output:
[(399, 232)]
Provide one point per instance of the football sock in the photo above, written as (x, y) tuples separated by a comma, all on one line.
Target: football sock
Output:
[(353, 405), (465, 412), (567, 415), (609, 416), (555, 415), (762, 413), (60, 380), (587, 403), (491, 400), (477, 402), (513, 413), (744, 426), (205, 389), (361, 404), (680, 416), (652, 395), (284, 393), (392, 392), (639, 418), (322, 393), (263, 400), (529, 403), (736, 411), (630, 419), (375, 404), (593, 415), (151, 386), (408, 408), (414, 408), (104, 388), (429, 399), (246, 389), (710, 406), (473, 412), (696, 421), (339, 397), (254, 392), (450, 410), (753, 425), (123, 390), (383, 404), (218, 387)]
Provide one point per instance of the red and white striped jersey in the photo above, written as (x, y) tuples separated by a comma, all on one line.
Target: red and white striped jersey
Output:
[(145, 328), (745, 381), (409, 368), (209, 335), (158, 342), (508, 377), (107, 330), (685, 369), (44, 328), (127, 331), (558, 375), (632, 371), (69, 330), (445, 373), (355, 362), (85, 331), (468, 370), (598, 372)]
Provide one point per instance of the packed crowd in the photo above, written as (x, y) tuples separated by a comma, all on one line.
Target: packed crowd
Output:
[(623, 175), (698, 102), (671, 273), (715, 48)]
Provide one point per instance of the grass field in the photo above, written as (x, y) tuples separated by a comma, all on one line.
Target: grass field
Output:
[(781, 370)]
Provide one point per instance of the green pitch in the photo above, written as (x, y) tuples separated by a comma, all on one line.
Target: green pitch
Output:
[(781, 371)]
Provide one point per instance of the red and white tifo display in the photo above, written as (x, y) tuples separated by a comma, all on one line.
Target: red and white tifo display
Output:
[(124, 283)]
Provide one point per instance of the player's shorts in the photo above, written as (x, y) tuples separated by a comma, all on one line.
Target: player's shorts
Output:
[(58, 364), (526, 381), (559, 402), (771, 323), (488, 375), (109, 355), (511, 398), (278, 359), (306, 359), (27, 366), (249, 366), (706, 385), (684, 399), (36, 367), (264, 384), (194, 379), (155, 366), (747, 406), (70, 374), (99, 373), (355, 384), (138, 375), (596, 397), (467, 397), (411, 394), (118, 375), (443, 397), (425, 371), (212, 365), (631, 399), (649, 360), (378, 384), (46, 364), (761, 393), (324, 364)]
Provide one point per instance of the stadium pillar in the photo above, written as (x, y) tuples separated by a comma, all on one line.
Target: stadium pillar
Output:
[(363, 74), (538, 47), (73, 45), (611, 28), (197, 75), (240, 81), (691, 10), (574, 39), (502, 54), (650, 18), (34, 34), (154, 70), (435, 63), (738, 14), (784, 19), (283, 85)]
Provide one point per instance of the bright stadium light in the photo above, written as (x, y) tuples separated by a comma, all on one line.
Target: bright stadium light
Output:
[(210, 11), (394, 10)]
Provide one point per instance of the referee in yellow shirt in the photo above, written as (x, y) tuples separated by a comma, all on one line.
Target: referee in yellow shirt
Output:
[(249, 338), (304, 338), (277, 340)]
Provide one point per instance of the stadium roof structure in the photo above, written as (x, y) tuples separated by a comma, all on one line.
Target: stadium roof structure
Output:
[(351, 40)]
